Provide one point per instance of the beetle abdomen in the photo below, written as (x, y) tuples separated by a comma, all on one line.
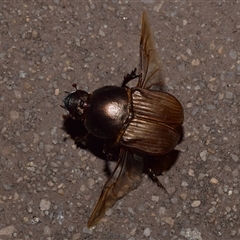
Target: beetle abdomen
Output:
[(108, 111)]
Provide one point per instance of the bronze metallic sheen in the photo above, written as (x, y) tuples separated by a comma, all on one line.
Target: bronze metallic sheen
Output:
[(138, 126)]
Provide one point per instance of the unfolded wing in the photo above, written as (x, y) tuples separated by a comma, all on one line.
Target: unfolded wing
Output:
[(149, 60), (126, 176)]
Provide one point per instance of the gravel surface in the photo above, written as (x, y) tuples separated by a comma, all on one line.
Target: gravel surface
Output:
[(48, 186)]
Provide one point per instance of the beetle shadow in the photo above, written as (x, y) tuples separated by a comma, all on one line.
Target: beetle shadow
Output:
[(160, 164), (81, 137), (163, 163), (84, 140), (180, 129)]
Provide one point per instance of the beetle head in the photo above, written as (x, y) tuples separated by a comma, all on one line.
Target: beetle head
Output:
[(76, 103)]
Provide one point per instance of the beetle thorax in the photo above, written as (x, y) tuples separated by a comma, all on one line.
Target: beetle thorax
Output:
[(107, 112)]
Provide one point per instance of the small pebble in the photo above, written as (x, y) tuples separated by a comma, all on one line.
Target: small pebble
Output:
[(70, 228), (87, 230), (155, 198), (234, 157), (46, 231), (235, 173), (22, 74), (7, 231), (191, 173), (119, 44), (194, 111), (91, 183), (133, 232), (184, 184), (17, 94), (14, 115), (174, 200), (168, 220), (109, 212), (56, 92), (229, 95), (185, 22), (44, 205), (162, 210), (76, 236), (203, 155), (191, 234), (101, 33), (141, 208), (214, 181), (220, 49), (211, 107), (196, 203), (189, 105), (146, 232), (189, 52), (233, 54), (181, 67), (211, 210), (195, 62), (131, 211)]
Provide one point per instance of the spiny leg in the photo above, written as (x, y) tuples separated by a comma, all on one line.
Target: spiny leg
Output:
[(154, 178), (82, 141), (127, 78)]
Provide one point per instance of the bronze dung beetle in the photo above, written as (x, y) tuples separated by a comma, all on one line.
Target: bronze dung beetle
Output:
[(141, 121)]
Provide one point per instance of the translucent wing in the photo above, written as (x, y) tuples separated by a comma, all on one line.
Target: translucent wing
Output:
[(126, 176), (149, 61)]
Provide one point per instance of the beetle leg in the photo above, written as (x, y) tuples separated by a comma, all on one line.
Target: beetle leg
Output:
[(154, 178), (127, 78), (111, 152), (82, 141)]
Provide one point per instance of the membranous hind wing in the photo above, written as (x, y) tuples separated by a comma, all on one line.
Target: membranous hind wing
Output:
[(126, 176), (149, 60)]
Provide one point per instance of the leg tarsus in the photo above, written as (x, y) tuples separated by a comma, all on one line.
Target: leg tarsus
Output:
[(127, 78), (82, 141), (154, 178)]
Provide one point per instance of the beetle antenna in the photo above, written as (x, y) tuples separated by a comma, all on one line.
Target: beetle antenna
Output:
[(75, 86)]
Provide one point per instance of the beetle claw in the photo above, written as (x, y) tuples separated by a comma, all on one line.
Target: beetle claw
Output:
[(128, 77)]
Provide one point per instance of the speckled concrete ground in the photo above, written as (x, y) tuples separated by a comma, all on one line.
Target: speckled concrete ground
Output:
[(48, 186)]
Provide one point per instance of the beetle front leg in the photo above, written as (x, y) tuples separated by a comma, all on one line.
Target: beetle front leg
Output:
[(82, 141), (127, 78)]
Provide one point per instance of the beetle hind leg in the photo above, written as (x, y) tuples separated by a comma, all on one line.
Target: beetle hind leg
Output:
[(154, 178)]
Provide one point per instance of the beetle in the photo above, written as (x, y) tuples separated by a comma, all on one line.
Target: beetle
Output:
[(141, 122)]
